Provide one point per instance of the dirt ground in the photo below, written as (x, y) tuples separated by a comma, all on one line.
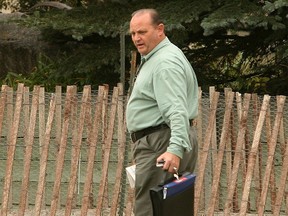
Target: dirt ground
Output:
[(76, 212)]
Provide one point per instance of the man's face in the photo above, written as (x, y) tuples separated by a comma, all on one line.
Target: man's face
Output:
[(145, 35)]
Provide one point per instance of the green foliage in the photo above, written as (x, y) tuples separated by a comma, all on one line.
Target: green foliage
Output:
[(43, 74), (81, 22), (48, 73), (102, 19), (244, 15), (273, 6), (239, 44), (25, 5)]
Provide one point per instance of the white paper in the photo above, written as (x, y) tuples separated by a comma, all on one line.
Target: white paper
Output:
[(131, 175)]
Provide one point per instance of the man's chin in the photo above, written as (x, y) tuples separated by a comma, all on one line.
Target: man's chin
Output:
[(142, 51)]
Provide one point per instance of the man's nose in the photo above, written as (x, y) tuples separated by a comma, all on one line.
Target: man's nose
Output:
[(136, 37)]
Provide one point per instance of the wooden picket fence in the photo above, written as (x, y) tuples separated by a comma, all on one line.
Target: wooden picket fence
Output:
[(66, 153), (250, 174)]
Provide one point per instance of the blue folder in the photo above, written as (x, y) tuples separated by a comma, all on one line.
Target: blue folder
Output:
[(175, 198)]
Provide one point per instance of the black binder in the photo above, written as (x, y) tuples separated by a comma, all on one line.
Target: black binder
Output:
[(175, 198)]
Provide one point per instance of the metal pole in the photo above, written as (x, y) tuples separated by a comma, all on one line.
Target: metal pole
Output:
[(122, 58)]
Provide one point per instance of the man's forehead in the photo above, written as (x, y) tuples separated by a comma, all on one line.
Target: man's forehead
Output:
[(139, 24), (143, 18)]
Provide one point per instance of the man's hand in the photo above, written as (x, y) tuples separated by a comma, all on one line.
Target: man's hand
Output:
[(171, 161)]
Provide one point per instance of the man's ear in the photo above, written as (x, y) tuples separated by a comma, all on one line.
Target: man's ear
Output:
[(161, 29)]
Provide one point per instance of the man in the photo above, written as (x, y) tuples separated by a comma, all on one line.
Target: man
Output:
[(161, 108)]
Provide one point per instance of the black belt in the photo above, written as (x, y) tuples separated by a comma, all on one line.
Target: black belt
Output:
[(146, 131)]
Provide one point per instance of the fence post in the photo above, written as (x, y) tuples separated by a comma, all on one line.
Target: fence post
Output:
[(58, 114), (44, 157), (272, 143), (93, 138), (29, 140), (62, 149), (121, 153), (204, 155), (220, 155), (253, 155), (104, 137), (107, 145), (3, 99), (11, 149), (282, 183), (76, 147), (238, 154)]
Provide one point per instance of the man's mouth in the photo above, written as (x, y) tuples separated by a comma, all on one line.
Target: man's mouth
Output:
[(139, 46)]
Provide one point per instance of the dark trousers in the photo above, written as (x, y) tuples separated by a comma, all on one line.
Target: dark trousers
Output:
[(145, 152)]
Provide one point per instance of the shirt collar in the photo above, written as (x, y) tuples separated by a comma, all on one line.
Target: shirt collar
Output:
[(163, 43)]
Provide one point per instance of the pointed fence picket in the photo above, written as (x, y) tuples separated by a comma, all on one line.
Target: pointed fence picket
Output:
[(66, 152)]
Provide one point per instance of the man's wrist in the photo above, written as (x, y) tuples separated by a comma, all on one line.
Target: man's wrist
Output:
[(176, 150)]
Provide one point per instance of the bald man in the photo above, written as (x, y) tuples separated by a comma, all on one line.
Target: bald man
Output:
[(161, 108)]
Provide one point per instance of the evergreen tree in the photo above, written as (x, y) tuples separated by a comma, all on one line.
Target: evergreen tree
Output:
[(239, 44)]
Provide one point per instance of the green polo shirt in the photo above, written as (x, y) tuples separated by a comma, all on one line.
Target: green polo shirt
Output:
[(165, 91)]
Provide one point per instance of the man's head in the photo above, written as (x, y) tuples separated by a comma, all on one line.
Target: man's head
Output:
[(146, 29)]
